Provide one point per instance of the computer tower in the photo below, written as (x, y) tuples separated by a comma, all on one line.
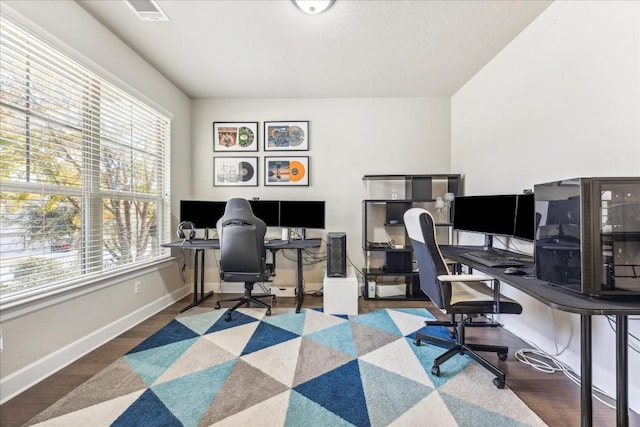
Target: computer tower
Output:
[(336, 254), (588, 235)]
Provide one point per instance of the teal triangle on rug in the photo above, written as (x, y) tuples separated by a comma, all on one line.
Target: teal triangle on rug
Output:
[(289, 369)]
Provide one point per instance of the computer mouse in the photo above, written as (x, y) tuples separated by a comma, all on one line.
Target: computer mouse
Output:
[(515, 270)]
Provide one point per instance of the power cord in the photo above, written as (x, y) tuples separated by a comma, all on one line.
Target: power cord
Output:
[(182, 265), (554, 365)]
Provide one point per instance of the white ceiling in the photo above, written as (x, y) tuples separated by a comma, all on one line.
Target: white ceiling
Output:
[(356, 49)]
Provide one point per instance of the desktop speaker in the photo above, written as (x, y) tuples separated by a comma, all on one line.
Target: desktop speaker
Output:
[(336, 255)]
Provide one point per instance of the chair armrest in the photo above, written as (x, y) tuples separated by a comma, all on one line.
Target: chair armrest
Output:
[(463, 278)]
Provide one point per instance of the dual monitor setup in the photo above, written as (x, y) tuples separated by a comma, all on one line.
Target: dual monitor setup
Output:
[(585, 231), (303, 214)]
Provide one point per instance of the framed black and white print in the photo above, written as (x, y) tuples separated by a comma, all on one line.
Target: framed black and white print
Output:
[(286, 170), (235, 171), (235, 136), (286, 136)]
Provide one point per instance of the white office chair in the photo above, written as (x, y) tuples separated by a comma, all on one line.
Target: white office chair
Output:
[(460, 296)]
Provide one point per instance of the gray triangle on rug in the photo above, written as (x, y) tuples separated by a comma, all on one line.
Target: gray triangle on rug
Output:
[(289, 369)]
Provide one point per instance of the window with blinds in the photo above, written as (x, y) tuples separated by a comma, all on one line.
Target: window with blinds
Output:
[(84, 172)]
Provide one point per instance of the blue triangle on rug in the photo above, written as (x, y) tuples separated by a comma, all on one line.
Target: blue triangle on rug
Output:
[(152, 363), (265, 336), (301, 410), (237, 319), (292, 322), (147, 410), (188, 397), (341, 392), (173, 332), (379, 319), (338, 337)]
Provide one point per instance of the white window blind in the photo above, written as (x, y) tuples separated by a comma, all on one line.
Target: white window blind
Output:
[(84, 173)]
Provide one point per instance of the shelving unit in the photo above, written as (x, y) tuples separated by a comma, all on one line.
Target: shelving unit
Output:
[(389, 272)]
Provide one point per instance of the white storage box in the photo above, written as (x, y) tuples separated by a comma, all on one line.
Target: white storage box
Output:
[(384, 290), (340, 294), (283, 291)]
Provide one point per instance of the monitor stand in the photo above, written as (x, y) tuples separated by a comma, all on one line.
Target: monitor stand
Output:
[(488, 242)]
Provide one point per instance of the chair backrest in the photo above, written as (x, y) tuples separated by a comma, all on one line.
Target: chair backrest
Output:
[(242, 249), (422, 233)]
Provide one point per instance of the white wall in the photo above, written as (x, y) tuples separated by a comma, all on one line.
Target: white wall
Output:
[(348, 138), (44, 337), (561, 101)]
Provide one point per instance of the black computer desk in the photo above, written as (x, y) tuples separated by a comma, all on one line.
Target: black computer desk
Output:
[(572, 302), (200, 245)]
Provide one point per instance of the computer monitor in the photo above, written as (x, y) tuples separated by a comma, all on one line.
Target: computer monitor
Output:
[(203, 214), (302, 214), (525, 222), (267, 210), (491, 215)]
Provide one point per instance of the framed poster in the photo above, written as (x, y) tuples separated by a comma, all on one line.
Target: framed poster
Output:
[(235, 136), (235, 171), (286, 170), (286, 136)]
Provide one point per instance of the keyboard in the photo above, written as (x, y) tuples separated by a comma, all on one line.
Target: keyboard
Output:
[(492, 259)]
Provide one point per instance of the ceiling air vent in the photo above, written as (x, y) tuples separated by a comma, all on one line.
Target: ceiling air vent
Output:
[(147, 10)]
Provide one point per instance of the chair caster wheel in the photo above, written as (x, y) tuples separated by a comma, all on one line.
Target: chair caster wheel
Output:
[(435, 370), (227, 317), (502, 356), (269, 312), (217, 306), (416, 342), (499, 384)]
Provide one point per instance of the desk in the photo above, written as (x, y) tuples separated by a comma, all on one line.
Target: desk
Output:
[(572, 302), (200, 245)]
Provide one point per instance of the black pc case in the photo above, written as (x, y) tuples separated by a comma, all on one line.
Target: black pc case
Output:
[(588, 235), (336, 255)]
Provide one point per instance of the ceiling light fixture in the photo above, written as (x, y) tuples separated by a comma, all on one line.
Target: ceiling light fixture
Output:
[(313, 7)]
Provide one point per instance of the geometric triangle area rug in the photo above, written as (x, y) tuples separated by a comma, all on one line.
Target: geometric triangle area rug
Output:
[(289, 369)]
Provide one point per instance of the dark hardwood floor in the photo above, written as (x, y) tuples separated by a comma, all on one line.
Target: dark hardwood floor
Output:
[(552, 396)]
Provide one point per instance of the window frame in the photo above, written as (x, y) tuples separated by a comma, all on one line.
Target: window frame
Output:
[(89, 281)]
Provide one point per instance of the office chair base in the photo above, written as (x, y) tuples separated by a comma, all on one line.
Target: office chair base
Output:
[(246, 299), (469, 349)]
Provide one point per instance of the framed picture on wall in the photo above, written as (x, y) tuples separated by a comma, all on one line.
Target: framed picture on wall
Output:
[(235, 136), (286, 171), (235, 171), (286, 136)]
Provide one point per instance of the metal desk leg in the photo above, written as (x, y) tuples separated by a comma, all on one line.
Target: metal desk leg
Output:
[(622, 371), (198, 263), (585, 367), (300, 289)]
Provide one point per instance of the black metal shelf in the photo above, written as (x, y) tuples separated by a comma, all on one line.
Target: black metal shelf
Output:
[(419, 191)]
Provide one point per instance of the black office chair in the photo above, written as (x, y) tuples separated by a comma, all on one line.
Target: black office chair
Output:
[(462, 296), (242, 253)]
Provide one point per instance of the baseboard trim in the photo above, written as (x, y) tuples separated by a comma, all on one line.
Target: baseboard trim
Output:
[(19, 381)]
